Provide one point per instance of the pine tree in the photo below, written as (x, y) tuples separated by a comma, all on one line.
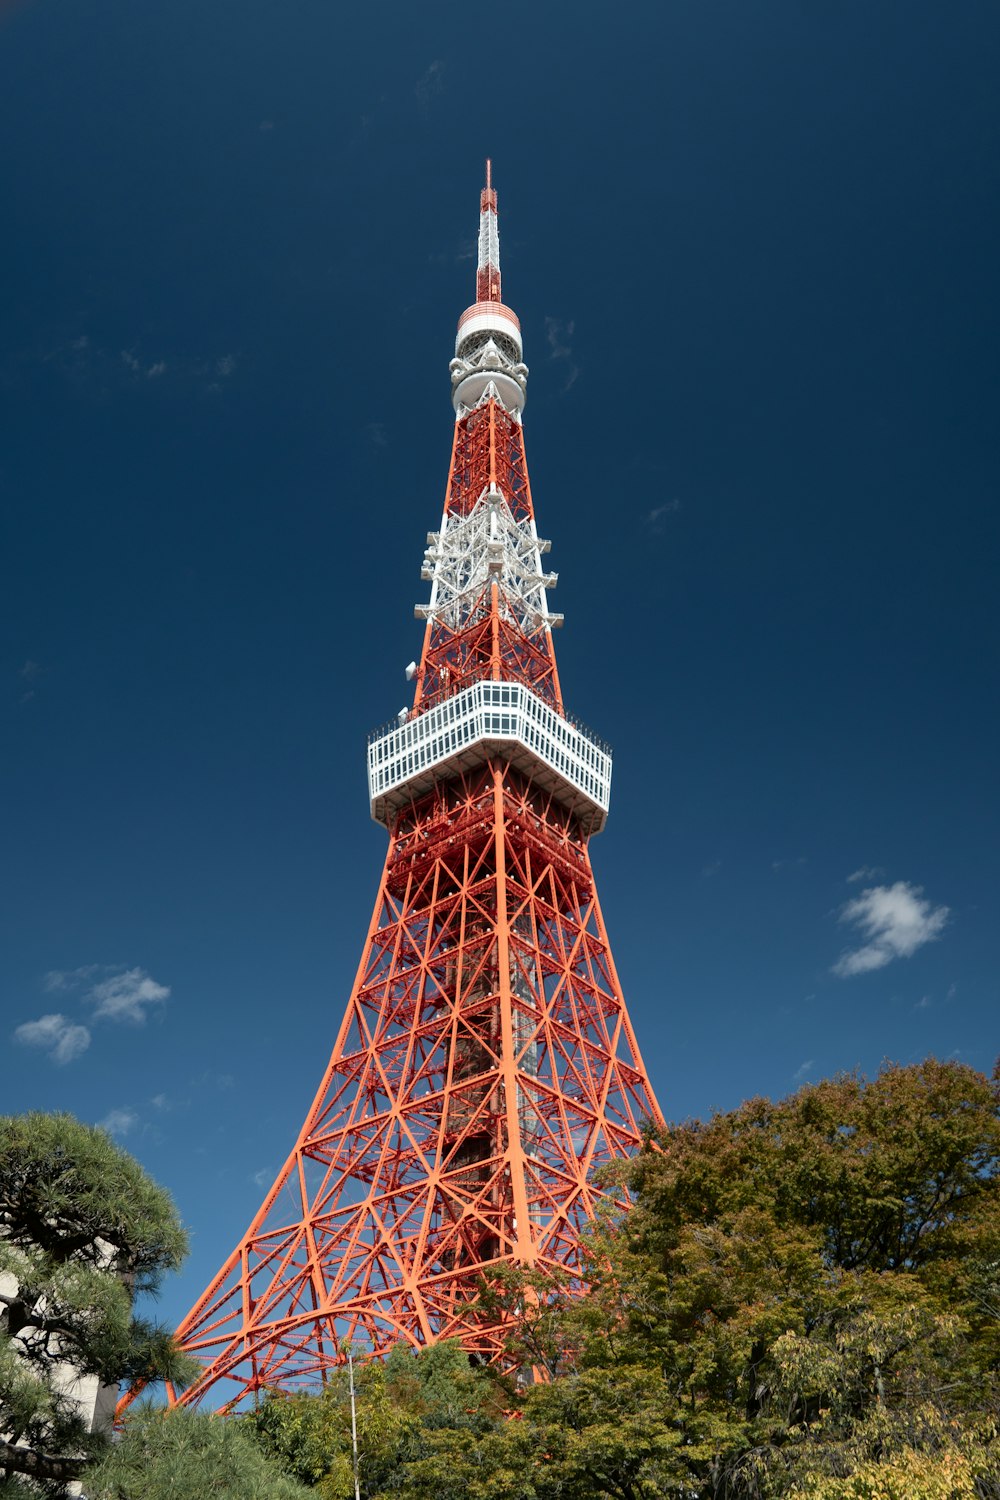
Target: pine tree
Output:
[(83, 1230)]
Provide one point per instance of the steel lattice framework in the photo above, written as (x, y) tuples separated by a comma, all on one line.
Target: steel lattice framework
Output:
[(485, 1064)]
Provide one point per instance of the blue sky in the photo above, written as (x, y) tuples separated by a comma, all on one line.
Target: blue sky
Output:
[(754, 253)]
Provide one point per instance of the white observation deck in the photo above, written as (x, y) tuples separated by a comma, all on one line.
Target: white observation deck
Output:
[(406, 759)]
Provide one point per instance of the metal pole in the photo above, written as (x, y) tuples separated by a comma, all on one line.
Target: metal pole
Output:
[(354, 1422)]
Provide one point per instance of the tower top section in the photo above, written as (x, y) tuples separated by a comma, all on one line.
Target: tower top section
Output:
[(488, 342), (488, 269)]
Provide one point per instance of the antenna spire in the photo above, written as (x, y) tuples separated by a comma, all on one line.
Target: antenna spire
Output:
[(488, 271)]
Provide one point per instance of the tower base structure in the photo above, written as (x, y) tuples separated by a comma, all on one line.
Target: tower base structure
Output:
[(484, 1068)]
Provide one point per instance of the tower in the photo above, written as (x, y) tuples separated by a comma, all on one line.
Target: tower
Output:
[(486, 1063)]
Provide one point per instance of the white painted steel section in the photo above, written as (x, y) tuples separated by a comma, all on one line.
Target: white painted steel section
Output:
[(469, 390), (464, 730), (489, 240), (488, 317), (468, 552), (484, 367)]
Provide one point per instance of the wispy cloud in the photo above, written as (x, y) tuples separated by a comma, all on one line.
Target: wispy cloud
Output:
[(430, 83), (711, 870), (138, 366), (655, 520), (558, 335), (928, 1002), (29, 675), (60, 981), (215, 1081), (896, 920), (865, 872), (467, 250), (803, 1070), (117, 995), (104, 371), (778, 865), (119, 1122), (127, 996), (56, 1035)]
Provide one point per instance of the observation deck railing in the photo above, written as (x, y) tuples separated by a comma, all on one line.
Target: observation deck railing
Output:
[(406, 758)]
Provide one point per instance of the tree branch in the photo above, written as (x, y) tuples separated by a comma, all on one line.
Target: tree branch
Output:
[(38, 1465)]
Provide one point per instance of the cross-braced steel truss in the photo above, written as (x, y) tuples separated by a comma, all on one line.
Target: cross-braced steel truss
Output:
[(485, 1064)]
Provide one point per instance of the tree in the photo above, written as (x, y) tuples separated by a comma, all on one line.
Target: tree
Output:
[(82, 1231), (309, 1435), (803, 1293), (407, 1406), (801, 1304), (188, 1455)]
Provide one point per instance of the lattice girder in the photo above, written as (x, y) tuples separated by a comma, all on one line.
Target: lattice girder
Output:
[(485, 1066)]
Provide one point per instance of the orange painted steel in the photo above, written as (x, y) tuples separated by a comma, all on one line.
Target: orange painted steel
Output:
[(485, 1064), (488, 450)]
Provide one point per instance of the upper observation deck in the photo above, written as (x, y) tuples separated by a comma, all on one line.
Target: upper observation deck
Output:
[(489, 718)]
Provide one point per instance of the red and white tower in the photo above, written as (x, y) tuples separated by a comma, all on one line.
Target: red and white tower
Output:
[(485, 1064)]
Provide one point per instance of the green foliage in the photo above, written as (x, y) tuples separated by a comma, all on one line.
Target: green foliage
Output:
[(402, 1405), (802, 1303), (311, 1435), (892, 1174), (186, 1455), (66, 1189), (81, 1228), (795, 1285)]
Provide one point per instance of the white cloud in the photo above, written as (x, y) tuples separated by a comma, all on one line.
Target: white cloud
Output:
[(557, 336), (126, 996), (119, 1122), (895, 919), (56, 1035), (803, 1070), (132, 362), (430, 83), (865, 872), (656, 518), (60, 980), (118, 995)]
